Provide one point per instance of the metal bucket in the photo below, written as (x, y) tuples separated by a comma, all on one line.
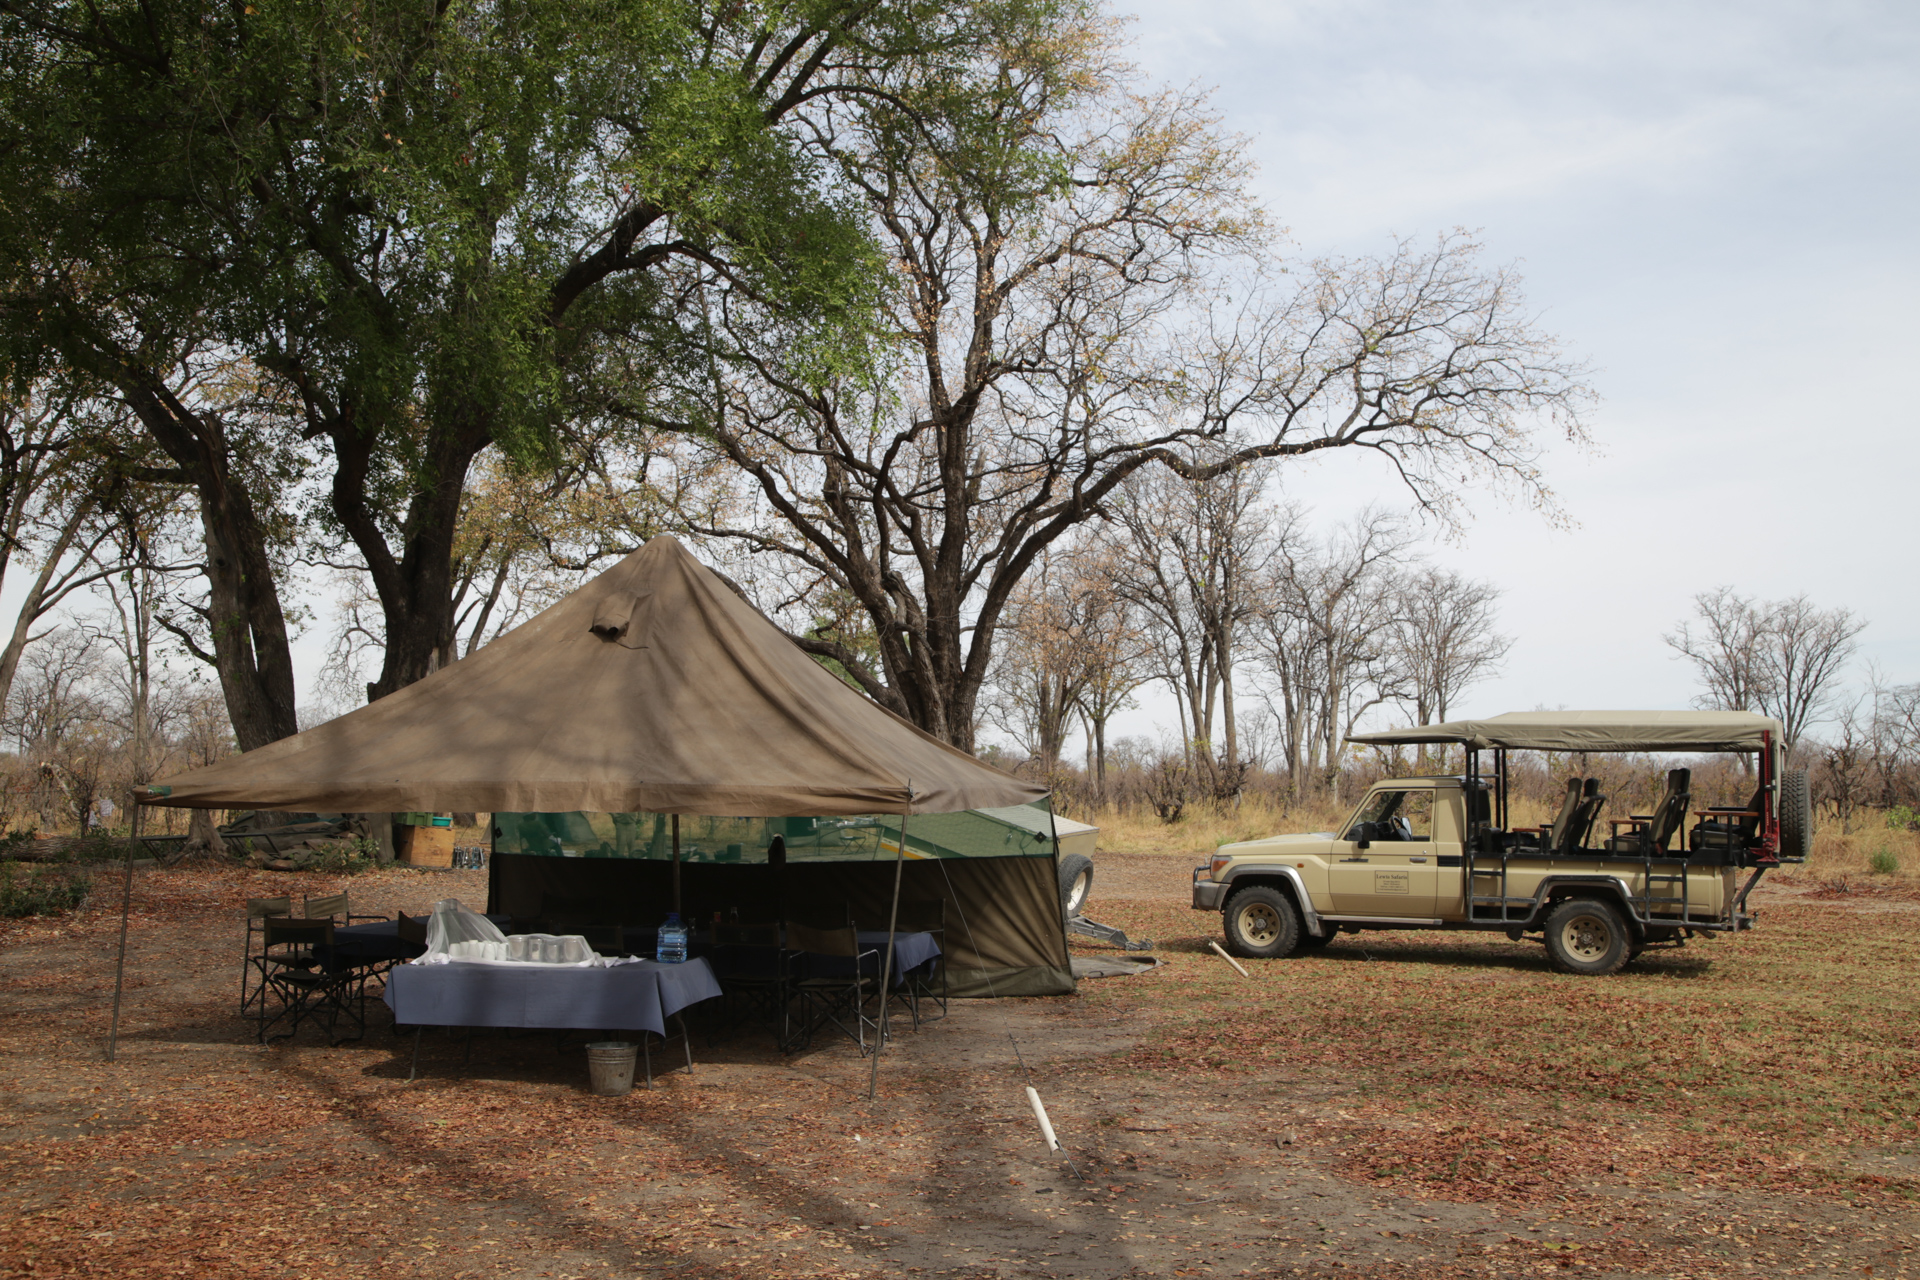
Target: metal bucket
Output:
[(610, 1067)]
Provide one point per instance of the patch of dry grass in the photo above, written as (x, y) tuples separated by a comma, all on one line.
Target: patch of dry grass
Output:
[(1137, 829), (1872, 858), (1784, 1058)]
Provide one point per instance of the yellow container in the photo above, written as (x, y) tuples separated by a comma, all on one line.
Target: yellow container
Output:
[(425, 846)]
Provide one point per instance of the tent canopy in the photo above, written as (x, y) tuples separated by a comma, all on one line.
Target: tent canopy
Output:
[(1593, 731), (654, 687)]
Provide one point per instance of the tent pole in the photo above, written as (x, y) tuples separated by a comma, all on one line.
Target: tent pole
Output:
[(126, 906), (886, 959), (676, 864)]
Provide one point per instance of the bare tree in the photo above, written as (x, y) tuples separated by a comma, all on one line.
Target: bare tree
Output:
[(1723, 641), (1444, 639), (1195, 553), (1071, 648), (1781, 657), (1087, 300), (1326, 637), (1804, 652), (50, 512)]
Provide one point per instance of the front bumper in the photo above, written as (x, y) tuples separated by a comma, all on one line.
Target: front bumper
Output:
[(1208, 894)]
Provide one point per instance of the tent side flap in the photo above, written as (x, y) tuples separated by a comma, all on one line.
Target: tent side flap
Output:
[(1004, 934)]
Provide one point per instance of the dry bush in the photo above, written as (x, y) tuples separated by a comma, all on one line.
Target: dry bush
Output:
[(1872, 856)]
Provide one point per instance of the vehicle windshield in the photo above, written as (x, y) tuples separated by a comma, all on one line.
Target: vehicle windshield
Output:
[(1413, 808)]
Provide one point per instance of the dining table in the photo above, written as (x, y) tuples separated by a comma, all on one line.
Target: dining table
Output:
[(619, 995)]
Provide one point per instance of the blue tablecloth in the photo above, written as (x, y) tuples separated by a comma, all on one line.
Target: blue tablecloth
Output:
[(910, 950), (640, 996)]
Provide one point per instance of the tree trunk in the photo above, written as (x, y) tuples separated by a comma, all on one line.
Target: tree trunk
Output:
[(1100, 758), (415, 588), (201, 835), (247, 626)]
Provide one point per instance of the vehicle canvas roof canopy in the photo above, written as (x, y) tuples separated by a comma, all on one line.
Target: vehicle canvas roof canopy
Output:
[(1594, 731), (656, 689)]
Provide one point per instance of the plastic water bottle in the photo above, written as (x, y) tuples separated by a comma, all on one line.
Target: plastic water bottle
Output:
[(670, 943)]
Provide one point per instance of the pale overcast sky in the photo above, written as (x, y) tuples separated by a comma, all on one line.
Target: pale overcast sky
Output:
[(1713, 204)]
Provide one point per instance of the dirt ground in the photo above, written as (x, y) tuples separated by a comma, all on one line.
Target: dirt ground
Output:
[(1400, 1105)]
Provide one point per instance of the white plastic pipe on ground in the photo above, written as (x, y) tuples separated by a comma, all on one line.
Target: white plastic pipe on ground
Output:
[(1040, 1114), (1222, 953)]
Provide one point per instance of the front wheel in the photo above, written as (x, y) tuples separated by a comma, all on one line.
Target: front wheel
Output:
[(1587, 937), (1262, 923)]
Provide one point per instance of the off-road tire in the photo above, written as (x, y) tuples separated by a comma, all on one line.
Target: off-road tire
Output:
[(1076, 884), (1796, 815), (1262, 923), (1588, 936)]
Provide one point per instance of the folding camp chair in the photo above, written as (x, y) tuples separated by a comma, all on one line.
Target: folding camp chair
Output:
[(309, 990), (831, 979), (253, 964), (334, 907), (747, 959)]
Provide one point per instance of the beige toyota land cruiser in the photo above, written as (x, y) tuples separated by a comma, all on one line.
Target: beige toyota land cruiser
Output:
[(1438, 853)]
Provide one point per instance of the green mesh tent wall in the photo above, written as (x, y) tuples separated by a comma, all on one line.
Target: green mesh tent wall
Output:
[(993, 870)]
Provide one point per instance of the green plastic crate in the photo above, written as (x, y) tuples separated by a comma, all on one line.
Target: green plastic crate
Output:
[(423, 819)]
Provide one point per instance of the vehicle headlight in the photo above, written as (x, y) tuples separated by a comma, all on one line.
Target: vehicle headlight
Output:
[(1218, 864)]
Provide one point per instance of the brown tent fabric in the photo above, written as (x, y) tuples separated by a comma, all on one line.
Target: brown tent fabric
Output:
[(654, 687)]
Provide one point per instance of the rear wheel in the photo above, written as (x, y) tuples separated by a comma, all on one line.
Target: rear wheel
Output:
[(1588, 937), (1262, 922), (1076, 883)]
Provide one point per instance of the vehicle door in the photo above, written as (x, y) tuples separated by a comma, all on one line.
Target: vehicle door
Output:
[(1395, 875)]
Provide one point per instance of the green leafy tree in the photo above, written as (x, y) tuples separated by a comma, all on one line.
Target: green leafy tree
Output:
[(440, 227)]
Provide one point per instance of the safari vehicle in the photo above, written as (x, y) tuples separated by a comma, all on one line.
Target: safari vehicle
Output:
[(1438, 853)]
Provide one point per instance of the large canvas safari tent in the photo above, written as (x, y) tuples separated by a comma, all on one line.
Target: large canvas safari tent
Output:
[(655, 690)]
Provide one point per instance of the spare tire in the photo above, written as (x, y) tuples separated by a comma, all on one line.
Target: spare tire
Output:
[(1076, 883), (1796, 815)]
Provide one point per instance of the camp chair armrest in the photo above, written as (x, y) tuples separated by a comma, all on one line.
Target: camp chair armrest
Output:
[(355, 915)]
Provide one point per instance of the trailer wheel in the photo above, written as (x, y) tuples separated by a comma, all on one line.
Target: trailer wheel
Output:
[(1587, 936), (1796, 815), (1262, 923), (1076, 883)]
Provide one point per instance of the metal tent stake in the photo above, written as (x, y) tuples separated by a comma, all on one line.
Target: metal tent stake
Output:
[(886, 960), (126, 906)]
